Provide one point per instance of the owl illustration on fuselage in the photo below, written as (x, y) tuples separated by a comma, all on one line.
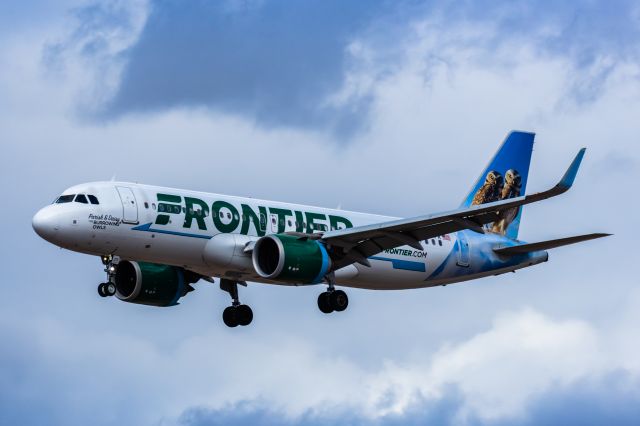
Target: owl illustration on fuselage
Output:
[(489, 191), (511, 189)]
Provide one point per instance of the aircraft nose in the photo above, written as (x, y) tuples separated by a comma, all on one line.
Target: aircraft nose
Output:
[(45, 224)]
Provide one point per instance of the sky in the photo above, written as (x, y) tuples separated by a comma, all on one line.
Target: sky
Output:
[(389, 107)]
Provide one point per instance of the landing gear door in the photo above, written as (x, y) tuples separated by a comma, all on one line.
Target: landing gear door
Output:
[(463, 250), (129, 205)]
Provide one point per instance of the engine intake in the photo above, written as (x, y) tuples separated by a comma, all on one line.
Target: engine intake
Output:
[(151, 283), (290, 259)]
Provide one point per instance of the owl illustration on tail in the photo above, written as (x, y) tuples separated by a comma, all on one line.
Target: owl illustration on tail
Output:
[(490, 191), (511, 189)]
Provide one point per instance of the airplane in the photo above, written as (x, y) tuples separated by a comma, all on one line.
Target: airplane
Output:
[(156, 242)]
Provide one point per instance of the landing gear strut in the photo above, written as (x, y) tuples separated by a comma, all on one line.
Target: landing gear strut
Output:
[(332, 299), (236, 314), (108, 288)]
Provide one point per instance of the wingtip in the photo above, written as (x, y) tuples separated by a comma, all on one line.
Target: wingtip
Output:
[(570, 175)]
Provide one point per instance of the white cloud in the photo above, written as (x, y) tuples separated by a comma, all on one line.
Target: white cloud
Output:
[(498, 371)]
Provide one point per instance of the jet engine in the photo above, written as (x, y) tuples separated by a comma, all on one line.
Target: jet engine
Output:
[(151, 283), (290, 259)]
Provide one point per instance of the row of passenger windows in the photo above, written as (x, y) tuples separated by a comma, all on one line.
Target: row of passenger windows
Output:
[(78, 198), (433, 241)]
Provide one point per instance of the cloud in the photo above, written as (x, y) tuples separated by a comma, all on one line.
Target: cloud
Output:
[(316, 65), (272, 61), (512, 372)]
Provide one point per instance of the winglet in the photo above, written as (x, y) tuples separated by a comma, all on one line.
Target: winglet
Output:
[(567, 180)]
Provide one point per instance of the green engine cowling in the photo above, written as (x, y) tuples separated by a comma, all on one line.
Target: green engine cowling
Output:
[(291, 259), (151, 283)]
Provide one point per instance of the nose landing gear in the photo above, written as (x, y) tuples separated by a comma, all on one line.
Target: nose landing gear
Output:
[(108, 288), (236, 314)]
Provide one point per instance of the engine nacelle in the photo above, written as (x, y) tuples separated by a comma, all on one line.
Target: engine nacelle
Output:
[(151, 283), (288, 258)]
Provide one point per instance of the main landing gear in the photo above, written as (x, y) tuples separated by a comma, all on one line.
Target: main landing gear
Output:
[(236, 314), (108, 288), (332, 299)]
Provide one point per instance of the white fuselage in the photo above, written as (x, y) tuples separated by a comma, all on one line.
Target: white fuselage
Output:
[(207, 233)]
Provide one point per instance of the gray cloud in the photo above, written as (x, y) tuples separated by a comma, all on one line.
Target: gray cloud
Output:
[(280, 63), (273, 61)]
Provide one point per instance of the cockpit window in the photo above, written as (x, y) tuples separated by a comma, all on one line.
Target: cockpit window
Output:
[(93, 199), (81, 198), (65, 199)]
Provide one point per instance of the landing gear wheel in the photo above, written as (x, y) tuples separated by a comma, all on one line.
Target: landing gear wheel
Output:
[(324, 302), (339, 300), (110, 289), (102, 291), (244, 315), (230, 316)]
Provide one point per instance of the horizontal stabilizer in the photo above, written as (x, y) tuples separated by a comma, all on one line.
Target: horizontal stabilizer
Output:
[(545, 245)]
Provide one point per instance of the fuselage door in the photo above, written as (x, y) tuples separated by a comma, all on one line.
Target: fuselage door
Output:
[(129, 205), (463, 250)]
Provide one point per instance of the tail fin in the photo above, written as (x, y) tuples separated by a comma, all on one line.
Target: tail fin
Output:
[(505, 177)]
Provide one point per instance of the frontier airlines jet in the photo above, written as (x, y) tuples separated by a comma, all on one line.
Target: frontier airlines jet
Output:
[(156, 242)]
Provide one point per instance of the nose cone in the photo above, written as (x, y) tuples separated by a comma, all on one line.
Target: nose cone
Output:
[(44, 224)]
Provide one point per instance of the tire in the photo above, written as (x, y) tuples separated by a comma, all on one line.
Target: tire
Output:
[(324, 302), (339, 300), (244, 315), (110, 289), (102, 291), (230, 316)]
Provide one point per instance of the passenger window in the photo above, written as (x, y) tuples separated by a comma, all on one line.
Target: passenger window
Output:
[(80, 198), (440, 242), (146, 205), (153, 206), (433, 241), (93, 199), (65, 199)]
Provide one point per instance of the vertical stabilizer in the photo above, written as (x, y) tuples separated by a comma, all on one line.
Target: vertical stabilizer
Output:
[(504, 177)]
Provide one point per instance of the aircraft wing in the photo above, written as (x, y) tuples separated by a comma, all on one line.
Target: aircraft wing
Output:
[(357, 244)]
